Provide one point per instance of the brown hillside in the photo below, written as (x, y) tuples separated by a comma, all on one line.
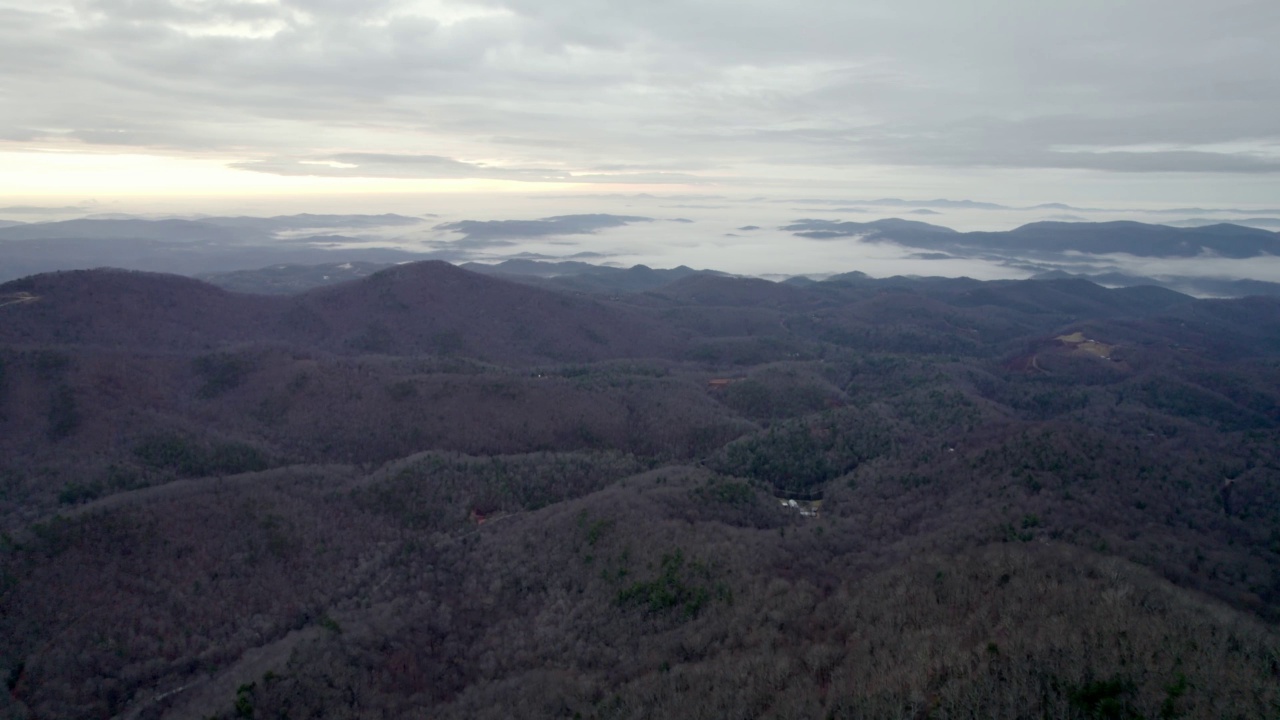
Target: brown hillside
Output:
[(120, 308), (418, 308), (719, 290), (435, 307)]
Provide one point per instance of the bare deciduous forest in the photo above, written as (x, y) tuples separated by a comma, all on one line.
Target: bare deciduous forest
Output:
[(433, 493)]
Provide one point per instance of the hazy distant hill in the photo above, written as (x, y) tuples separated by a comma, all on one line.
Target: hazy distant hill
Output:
[(905, 231), (188, 247), (480, 233), (586, 277), (168, 230), (713, 290), (308, 221), (290, 279), (1210, 286), (28, 257), (242, 230), (1258, 222), (536, 268), (1132, 238)]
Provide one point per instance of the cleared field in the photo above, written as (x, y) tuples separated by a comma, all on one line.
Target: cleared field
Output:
[(1080, 343)]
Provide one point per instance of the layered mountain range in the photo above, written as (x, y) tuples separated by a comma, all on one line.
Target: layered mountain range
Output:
[(240, 247), (426, 491)]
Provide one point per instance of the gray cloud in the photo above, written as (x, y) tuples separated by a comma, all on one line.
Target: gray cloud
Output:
[(997, 143), (382, 165), (1178, 161), (614, 91), (33, 210), (1183, 161)]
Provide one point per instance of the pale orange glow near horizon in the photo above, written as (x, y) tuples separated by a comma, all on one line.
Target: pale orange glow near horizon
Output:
[(70, 174)]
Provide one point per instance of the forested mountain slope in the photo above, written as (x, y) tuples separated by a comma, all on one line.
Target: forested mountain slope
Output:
[(430, 493)]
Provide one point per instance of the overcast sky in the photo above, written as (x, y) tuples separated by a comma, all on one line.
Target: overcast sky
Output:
[(1155, 101)]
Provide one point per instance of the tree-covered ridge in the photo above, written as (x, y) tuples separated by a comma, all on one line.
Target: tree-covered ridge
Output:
[(219, 523)]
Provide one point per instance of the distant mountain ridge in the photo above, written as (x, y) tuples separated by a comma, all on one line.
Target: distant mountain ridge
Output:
[(945, 203), (1258, 222), (1133, 238), (309, 221), (587, 277), (171, 230), (1203, 286), (273, 254)]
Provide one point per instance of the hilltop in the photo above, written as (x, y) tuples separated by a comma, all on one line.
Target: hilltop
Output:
[(427, 307)]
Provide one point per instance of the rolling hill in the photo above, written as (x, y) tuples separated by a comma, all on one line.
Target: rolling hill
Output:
[(428, 492)]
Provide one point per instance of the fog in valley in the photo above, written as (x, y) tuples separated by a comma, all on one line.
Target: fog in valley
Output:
[(745, 236)]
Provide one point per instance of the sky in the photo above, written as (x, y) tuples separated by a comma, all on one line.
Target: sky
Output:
[(1141, 102)]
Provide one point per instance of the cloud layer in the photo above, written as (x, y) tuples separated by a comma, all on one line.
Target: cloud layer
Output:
[(615, 91)]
